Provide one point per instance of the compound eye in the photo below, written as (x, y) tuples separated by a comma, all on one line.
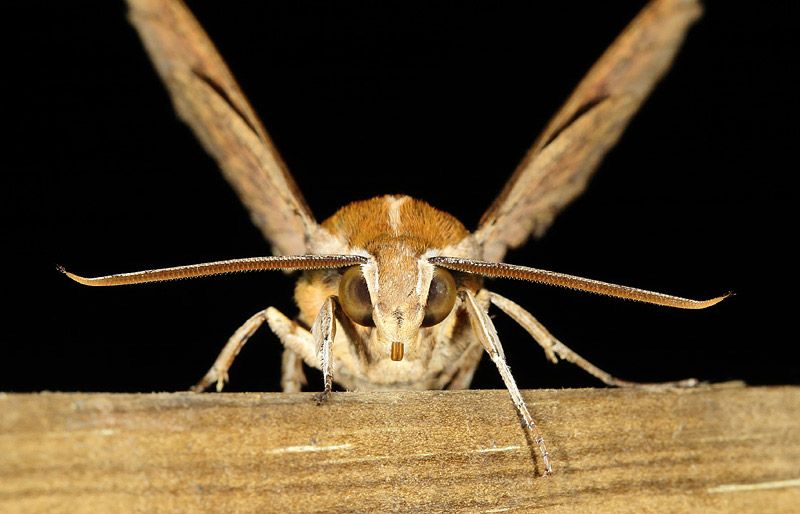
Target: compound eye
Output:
[(441, 297), (354, 297)]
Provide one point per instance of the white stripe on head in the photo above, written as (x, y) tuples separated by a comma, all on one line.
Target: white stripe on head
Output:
[(395, 203)]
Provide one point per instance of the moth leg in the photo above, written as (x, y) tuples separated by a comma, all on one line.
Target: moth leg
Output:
[(292, 376), (554, 348), (464, 359), (294, 337), (487, 334), (323, 331), (459, 375), (313, 349), (219, 370), (466, 368)]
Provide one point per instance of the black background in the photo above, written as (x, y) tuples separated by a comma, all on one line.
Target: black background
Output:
[(435, 100)]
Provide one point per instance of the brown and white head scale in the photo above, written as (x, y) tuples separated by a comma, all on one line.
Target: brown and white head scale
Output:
[(397, 235)]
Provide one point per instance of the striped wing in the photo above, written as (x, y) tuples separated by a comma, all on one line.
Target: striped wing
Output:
[(207, 98), (559, 164)]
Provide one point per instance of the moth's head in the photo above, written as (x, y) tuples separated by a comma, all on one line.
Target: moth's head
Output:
[(398, 294)]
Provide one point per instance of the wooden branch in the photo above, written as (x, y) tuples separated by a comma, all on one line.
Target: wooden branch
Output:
[(709, 449)]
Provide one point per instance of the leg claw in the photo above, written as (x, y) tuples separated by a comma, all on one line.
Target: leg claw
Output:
[(322, 397)]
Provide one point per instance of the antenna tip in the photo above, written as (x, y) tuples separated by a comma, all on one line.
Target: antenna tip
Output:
[(714, 301), (71, 276)]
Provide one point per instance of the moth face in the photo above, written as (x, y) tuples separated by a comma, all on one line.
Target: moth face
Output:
[(398, 291), (397, 296)]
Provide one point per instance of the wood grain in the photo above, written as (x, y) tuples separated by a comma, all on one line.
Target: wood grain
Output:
[(613, 450)]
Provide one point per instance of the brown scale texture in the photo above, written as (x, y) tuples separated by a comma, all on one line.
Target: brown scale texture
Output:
[(368, 224)]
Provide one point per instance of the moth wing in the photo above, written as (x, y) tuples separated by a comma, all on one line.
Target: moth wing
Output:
[(207, 97), (561, 161)]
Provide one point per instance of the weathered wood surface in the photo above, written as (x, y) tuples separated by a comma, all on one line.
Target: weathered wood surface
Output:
[(731, 449)]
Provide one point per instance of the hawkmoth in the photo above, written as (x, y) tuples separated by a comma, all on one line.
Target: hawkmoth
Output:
[(392, 291)]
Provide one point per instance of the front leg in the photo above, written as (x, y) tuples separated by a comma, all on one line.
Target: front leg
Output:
[(323, 332), (314, 347), (487, 334)]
